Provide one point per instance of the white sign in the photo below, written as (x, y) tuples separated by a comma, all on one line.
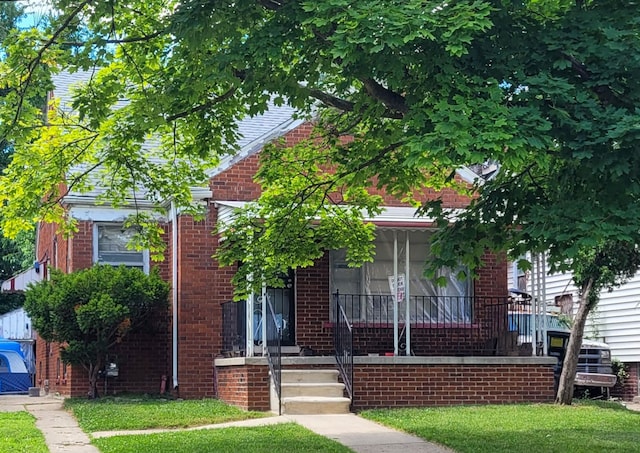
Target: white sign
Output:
[(400, 291)]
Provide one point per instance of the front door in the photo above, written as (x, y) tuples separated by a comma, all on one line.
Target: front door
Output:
[(283, 302)]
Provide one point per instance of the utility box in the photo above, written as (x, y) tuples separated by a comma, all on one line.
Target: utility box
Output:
[(557, 347), (111, 370)]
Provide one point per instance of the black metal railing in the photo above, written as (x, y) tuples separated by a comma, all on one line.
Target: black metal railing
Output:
[(438, 325), (273, 347), (378, 310), (343, 341), (234, 328)]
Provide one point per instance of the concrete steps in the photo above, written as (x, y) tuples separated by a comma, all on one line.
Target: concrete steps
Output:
[(315, 391), (308, 405), (328, 389)]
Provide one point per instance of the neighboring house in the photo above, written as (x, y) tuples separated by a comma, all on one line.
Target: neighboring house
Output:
[(615, 320), (206, 346), (16, 324)]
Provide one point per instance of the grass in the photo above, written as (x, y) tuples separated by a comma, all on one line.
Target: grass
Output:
[(582, 427), (136, 412), (287, 437), (123, 413), (18, 434)]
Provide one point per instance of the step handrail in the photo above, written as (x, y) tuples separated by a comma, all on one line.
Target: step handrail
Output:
[(343, 342), (273, 347)]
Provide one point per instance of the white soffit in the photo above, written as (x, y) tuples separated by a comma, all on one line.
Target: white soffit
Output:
[(469, 175), (108, 213), (390, 215)]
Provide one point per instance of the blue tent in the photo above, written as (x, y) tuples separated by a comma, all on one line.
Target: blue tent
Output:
[(9, 345), (14, 377)]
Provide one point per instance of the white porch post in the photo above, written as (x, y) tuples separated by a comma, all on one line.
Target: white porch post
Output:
[(544, 298), (407, 286), (395, 293), (539, 303), (542, 294), (534, 303), (249, 326), (264, 319)]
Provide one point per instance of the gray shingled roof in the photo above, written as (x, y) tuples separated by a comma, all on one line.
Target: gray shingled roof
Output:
[(254, 132)]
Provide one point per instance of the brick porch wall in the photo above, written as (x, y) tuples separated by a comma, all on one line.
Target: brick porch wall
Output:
[(446, 385), (244, 386), (379, 385)]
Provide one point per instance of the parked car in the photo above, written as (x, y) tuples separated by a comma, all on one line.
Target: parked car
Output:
[(594, 373)]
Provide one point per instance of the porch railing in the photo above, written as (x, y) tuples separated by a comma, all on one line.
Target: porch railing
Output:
[(234, 328), (273, 347), (438, 325), (343, 341)]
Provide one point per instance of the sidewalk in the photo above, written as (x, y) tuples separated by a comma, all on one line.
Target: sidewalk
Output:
[(62, 433)]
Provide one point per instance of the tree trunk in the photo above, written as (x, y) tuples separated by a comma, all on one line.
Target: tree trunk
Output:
[(570, 365), (94, 370)]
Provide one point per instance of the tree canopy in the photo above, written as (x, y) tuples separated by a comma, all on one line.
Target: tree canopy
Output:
[(92, 310), (403, 92), (15, 254), (546, 88)]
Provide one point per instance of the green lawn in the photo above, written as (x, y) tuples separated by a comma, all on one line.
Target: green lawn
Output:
[(265, 439), (115, 413), (582, 427), (18, 434)]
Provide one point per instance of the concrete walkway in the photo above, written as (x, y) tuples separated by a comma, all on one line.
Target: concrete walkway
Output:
[(60, 429), (62, 433)]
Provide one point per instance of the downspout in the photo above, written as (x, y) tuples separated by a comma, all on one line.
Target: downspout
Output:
[(174, 288)]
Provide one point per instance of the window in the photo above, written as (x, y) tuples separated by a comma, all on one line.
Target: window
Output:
[(367, 292), (519, 278), (110, 247)]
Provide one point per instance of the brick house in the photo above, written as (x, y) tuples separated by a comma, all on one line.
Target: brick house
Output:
[(450, 352)]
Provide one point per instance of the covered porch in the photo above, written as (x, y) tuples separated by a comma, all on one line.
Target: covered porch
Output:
[(396, 337), (477, 359)]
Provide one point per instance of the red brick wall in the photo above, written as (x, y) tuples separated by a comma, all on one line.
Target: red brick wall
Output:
[(143, 356), (199, 310), (492, 277), (246, 387), (445, 385), (312, 307), (81, 249), (237, 183)]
